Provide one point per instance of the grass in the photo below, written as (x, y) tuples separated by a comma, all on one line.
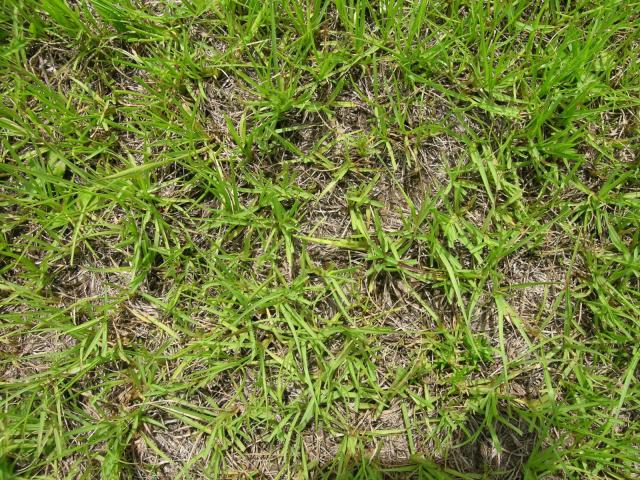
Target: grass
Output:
[(324, 239)]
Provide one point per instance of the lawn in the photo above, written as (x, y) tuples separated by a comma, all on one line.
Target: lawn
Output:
[(319, 239)]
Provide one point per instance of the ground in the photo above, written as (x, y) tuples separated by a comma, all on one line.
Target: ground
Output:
[(321, 239)]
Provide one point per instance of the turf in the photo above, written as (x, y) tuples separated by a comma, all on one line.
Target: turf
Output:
[(321, 239)]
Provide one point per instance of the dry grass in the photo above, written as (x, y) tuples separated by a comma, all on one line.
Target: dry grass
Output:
[(336, 240)]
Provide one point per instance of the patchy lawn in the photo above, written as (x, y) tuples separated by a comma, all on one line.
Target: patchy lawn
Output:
[(320, 239)]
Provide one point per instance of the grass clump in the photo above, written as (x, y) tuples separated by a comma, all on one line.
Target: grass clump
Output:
[(352, 239)]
